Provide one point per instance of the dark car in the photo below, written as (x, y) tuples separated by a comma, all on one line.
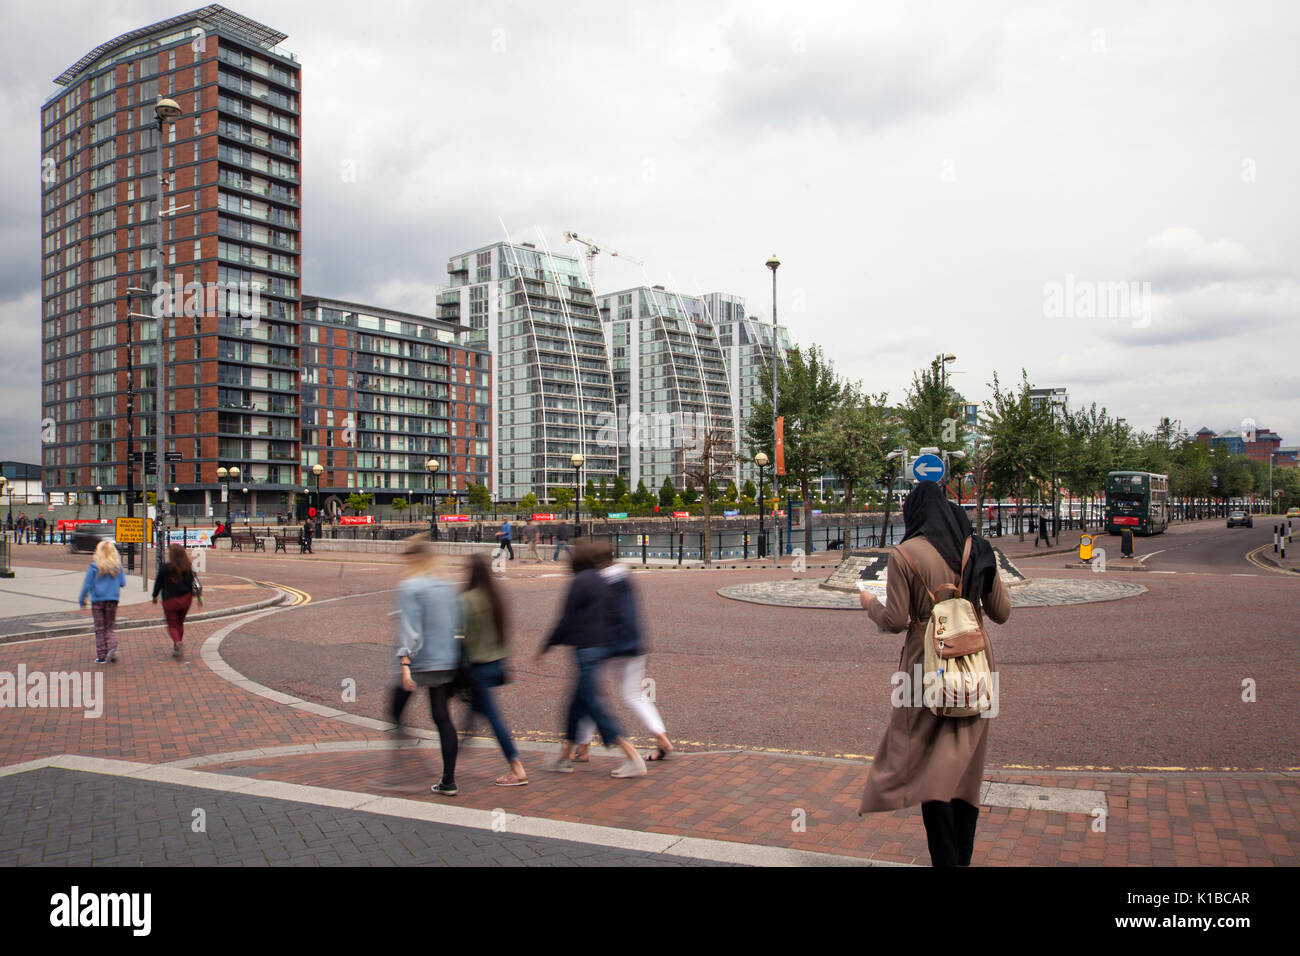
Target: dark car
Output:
[(86, 537), (1240, 518)]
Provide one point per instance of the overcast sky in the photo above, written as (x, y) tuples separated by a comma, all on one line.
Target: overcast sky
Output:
[(959, 178)]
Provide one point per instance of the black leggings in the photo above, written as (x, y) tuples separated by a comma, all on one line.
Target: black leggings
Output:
[(438, 697), (950, 831)]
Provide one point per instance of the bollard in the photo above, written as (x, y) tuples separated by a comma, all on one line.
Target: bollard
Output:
[(746, 545), (681, 537), (644, 539), (1275, 537), (5, 570)]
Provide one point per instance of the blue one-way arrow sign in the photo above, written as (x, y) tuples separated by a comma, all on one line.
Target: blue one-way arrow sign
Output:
[(928, 468)]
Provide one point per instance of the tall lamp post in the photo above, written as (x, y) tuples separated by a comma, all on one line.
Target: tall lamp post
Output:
[(316, 471), (576, 461), (761, 460), (222, 474), (99, 502), (774, 263), (4, 484), (165, 111), (432, 465)]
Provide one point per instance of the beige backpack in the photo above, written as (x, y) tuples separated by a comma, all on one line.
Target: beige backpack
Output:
[(956, 651)]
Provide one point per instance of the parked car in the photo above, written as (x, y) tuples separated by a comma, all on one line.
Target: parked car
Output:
[(1240, 518), (1293, 512), (87, 537)]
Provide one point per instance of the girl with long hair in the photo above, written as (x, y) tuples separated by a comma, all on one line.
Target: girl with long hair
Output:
[(177, 584), (486, 643), (427, 649), (103, 585)]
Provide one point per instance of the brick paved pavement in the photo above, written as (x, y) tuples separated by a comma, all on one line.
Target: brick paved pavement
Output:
[(55, 817), (1040, 592)]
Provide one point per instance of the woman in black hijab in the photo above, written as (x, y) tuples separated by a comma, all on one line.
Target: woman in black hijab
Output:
[(936, 761), (928, 513)]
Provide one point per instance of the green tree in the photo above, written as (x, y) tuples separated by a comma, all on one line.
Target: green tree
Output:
[(667, 494), (401, 505), (642, 496), (590, 491), (931, 416), (620, 488), (528, 503), (750, 490), (853, 442), (604, 489), (690, 495), (563, 497), (1021, 434), (359, 502), (480, 499), (712, 455), (809, 392)]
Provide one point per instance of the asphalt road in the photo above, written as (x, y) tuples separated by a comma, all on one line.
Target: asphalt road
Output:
[(1146, 682)]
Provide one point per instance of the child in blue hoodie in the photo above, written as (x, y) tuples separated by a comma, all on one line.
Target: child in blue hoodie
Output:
[(103, 584)]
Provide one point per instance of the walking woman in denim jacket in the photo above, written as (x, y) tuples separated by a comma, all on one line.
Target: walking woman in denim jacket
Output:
[(103, 585), (427, 649)]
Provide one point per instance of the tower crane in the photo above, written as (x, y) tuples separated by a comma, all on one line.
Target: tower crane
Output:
[(593, 250)]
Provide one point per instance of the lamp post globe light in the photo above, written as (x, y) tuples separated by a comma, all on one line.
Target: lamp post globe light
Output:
[(432, 465), (761, 460), (99, 502), (577, 461)]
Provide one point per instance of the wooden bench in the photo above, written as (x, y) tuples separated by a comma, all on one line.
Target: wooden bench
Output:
[(237, 542), (283, 540)]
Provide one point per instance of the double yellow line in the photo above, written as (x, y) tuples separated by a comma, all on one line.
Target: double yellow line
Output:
[(1250, 556), (297, 597)]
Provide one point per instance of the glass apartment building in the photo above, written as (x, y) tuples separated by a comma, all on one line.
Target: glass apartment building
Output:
[(552, 394), (670, 382), (746, 347), (232, 161), (382, 393)]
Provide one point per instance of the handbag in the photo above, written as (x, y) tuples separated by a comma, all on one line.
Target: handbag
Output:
[(196, 588), (955, 652)]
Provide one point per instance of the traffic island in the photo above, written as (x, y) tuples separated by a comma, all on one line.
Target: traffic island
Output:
[(1040, 592)]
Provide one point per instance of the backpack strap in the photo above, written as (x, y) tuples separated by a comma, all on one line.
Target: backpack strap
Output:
[(898, 550)]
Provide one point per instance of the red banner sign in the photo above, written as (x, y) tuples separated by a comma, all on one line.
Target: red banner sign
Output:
[(780, 445), (453, 517), (357, 519), (1125, 521), (541, 517), (70, 524), (681, 514)]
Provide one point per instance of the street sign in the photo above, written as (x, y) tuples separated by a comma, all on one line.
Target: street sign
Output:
[(617, 514), (681, 514), (311, 512), (172, 456), (132, 531), (453, 517), (543, 516), (928, 468)]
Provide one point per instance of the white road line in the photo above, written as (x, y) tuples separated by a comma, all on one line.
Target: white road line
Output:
[(1151, 555)]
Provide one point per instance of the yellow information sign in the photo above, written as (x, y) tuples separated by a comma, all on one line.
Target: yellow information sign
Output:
[(133, 530)]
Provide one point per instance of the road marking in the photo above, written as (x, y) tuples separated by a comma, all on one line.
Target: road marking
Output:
[(1151, 555)]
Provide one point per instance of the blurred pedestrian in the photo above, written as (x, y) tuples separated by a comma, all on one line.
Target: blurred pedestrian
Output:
[(103, 585), (179, 586), (427, 649), (562, 540), (486, 644), (504, 535), (587, 625), (925, 758), (530, 539), (626, 664)]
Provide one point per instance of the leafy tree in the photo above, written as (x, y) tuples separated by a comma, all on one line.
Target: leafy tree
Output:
[(750, 490), (931, 416), (563, 498), (620, 488), (590, 491), (1022, 439), (359, 502), (690, 495), (642, 496), (667, 494), (604, 489), (528, 503), (809, 392), (401, 505), (853, 442), (480, 499)]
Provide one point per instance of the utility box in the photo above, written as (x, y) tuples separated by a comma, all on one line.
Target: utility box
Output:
[(1085, 547)]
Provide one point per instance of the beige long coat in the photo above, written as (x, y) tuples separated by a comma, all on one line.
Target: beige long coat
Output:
[(923, 756)]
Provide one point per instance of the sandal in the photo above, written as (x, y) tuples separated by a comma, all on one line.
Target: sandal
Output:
[(510, 780), (658, 757)]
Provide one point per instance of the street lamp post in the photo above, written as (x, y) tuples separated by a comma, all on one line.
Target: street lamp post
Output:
[(317, 470), (761, 460), (99, 502), (432, 465), (4, 483), (576, 461), (774, 263), (166, 110)]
